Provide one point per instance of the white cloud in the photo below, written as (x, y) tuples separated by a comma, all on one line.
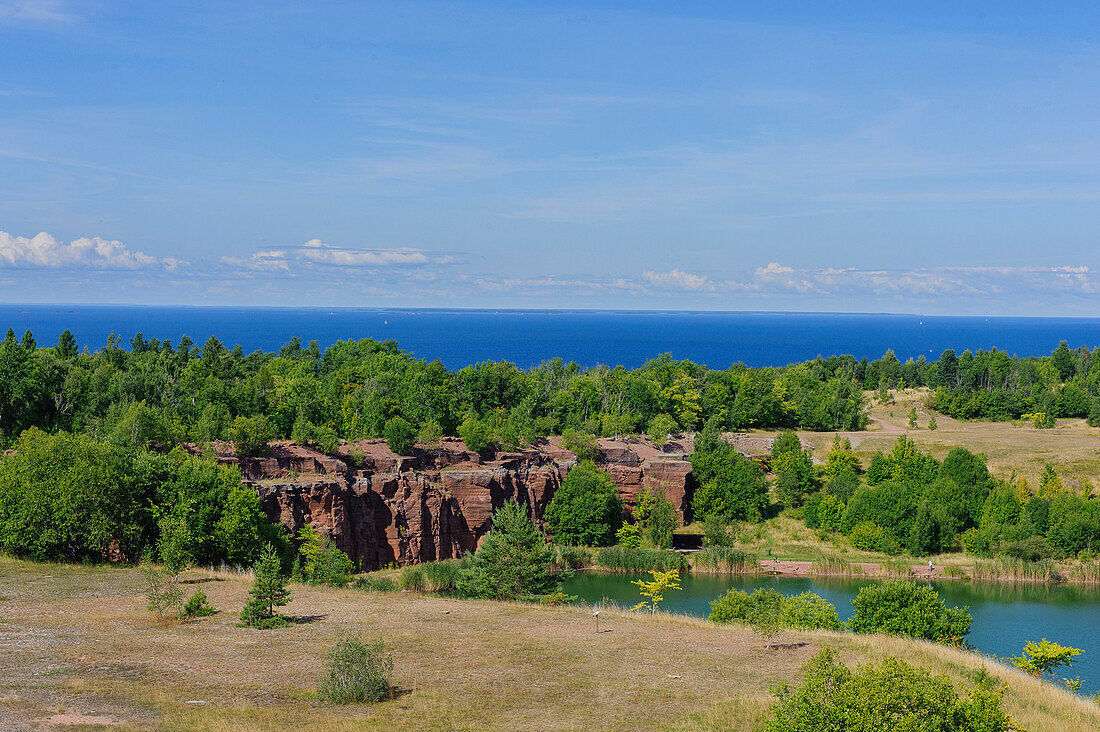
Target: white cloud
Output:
[(269, 261), (676, 280), (319, 252), (44, 251), (777, 279), (773, 269), (34, 10)]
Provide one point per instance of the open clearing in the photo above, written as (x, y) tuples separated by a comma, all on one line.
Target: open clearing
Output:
[(1073, 448), (81, 652)]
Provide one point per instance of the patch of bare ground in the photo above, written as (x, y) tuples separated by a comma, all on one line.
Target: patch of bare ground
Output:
[(82, 647)]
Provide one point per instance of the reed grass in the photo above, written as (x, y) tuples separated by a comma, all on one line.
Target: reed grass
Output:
[(1084, 572), (724, 560), (895, 568), (625, 559), (573, 557), (954, 571), (834, 566), (1010, 569), (439, 576)]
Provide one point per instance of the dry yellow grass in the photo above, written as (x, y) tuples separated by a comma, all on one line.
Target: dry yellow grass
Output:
[(1073, 448), (79, 642)]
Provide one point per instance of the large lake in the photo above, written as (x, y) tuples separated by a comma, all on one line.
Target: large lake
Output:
[(1005, 615), (589, 337)]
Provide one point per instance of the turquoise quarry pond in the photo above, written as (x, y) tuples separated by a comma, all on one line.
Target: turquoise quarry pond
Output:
[(1006, 615)]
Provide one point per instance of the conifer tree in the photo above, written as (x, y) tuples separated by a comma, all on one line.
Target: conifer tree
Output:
[(513, 560), (268, 592)]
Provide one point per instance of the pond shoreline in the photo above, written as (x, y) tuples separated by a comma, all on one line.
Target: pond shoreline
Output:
[(864, 570)]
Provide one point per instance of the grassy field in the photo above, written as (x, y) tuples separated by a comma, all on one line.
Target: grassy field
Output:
[(81, 650), (1073, 448)]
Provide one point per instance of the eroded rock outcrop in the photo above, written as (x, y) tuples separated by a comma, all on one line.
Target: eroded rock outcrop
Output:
[(436, 504)]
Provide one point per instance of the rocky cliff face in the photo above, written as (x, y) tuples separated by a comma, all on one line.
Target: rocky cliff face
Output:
[(381, 508)]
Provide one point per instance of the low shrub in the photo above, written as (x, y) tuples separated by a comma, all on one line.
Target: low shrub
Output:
[(808, 612), (897, 607), (1031, 549), (832, 696), (801, 612), (356, 672), (731, 607), (625, 559)]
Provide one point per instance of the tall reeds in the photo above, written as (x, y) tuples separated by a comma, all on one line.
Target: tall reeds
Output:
[(626, 559), (439, 576), (834, 567), (724, 560), (1010, 569)]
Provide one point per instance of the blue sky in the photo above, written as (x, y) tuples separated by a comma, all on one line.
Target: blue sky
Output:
[(933, 157)]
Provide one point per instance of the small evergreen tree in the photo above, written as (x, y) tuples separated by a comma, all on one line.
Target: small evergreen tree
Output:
[(841, 463), (268, 592), (196, 606), (512, 561)]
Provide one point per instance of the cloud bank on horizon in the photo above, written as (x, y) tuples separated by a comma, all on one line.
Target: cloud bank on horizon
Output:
[(687, 156), (415, 270)]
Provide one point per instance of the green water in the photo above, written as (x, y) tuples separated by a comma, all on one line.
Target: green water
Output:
[(1005, 615)]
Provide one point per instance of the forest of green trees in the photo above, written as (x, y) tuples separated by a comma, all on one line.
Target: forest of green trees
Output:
[(154, 391), (87, 418)]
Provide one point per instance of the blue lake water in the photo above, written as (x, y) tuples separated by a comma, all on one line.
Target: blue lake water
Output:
[(1006, 615), (589, 337)]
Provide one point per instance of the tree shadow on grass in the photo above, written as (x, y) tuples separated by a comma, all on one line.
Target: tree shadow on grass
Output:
[(201, 580), (788, 646), (396, 692), (303, 619)]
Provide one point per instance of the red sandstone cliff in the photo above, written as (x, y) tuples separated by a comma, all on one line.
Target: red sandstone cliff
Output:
[(380, 507)]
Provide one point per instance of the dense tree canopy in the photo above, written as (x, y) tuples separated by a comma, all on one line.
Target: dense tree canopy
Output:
[(586, 509), (168, 393), (72, 497)]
